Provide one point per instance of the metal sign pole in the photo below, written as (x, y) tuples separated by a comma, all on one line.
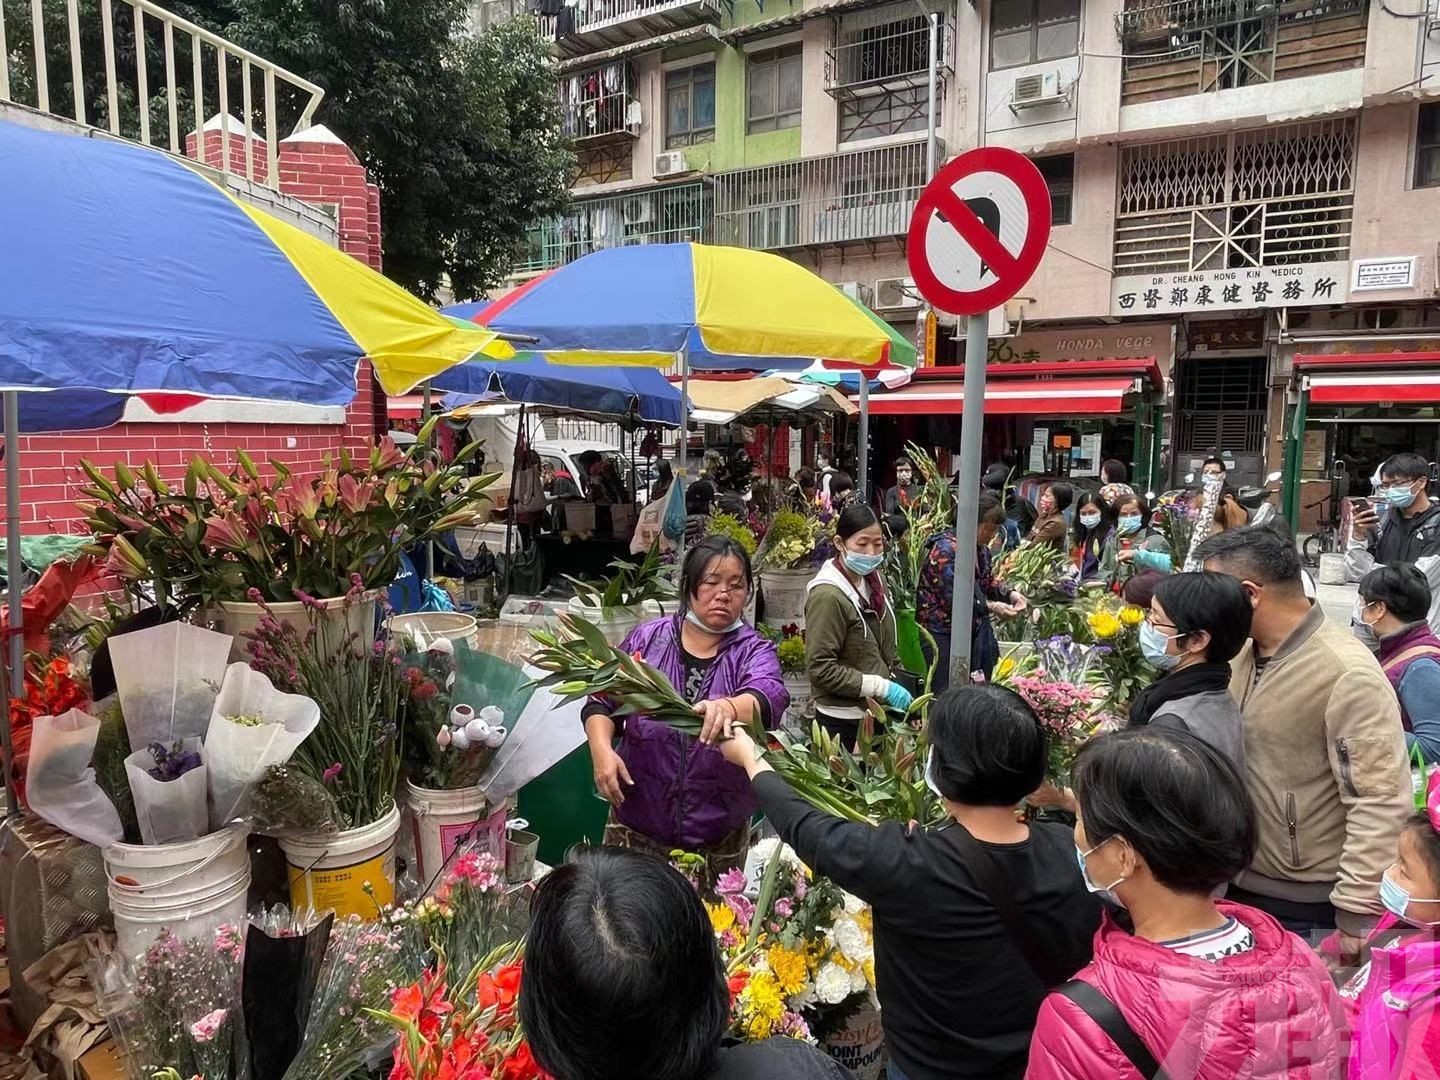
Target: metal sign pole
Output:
[(14, 571), (683, 458), (967, 502)]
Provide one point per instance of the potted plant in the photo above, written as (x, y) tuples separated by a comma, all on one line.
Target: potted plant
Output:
[(617, 604), (785, 564), (790, 648), (300, 541)]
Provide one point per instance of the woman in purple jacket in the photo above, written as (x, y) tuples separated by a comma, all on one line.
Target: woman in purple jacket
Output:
[(667, 790)]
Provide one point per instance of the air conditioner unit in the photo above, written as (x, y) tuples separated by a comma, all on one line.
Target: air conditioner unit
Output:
[(860, 293), (671, 163), (896, 294), (1044, 88)]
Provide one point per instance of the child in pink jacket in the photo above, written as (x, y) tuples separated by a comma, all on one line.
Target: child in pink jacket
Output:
[(1212, 991), (1394, 1001)]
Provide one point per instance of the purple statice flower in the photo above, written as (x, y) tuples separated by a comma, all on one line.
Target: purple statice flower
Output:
[(173, 763)]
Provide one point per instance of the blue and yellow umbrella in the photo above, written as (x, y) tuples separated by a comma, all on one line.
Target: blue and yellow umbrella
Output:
[(124, 270)]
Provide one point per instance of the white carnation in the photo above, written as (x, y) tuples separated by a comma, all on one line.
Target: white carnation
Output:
[(852, 941), (857, 980), (853, 904), (832, 984)]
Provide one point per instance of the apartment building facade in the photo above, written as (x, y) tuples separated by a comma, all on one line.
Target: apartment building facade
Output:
[(1243, 189)]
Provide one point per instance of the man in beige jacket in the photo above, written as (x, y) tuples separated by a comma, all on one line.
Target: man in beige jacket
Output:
[(1324, 749)]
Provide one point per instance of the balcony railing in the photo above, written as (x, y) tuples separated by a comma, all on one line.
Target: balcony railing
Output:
[(600, 102), (1160, 20), (593, 25), (821, 202), (1268, 197), (673, 214), (890, 56), (137, 66)]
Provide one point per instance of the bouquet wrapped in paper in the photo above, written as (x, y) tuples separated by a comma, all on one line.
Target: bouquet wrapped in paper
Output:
[(169, 785), (168, 677), (283, 956), (60, 782), (252, 727)]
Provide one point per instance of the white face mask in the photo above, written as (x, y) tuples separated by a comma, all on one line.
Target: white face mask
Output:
[(930, 775), (691, 617), (1105, 892)]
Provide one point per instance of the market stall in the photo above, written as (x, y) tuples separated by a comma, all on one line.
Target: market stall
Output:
[(1356, 409)]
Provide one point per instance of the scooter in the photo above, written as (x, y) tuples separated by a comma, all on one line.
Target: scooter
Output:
[(1256, 501)]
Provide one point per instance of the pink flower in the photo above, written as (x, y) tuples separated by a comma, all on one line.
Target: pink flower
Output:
[(208, 1026), (744, 910), (442, 737), (332, 772), (784, 907), (730, 882), (308, 600)]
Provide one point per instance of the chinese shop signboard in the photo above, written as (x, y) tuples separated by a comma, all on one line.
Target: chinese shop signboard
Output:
[(1257, 287)]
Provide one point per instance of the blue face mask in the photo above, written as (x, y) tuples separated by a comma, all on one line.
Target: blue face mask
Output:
[(1153, 644), (864, 565), (1106, 892), (1129, 523), (1397, 900), (1400, 496), (694, 619), (1089, 520)]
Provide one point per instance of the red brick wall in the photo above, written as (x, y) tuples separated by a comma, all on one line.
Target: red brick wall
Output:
[(51, 478), (317, 170)]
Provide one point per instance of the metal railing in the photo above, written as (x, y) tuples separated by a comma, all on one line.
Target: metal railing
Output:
[(590, 14), (892, 54), (1141, 19), (131, 74), (672, 214), (600, 101), (836, 199)]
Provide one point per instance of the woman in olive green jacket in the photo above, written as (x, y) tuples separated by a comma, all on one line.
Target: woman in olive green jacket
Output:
[(850, 648)]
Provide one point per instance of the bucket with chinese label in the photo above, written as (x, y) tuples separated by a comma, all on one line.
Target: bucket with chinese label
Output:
[(350, 872), (441, 821)]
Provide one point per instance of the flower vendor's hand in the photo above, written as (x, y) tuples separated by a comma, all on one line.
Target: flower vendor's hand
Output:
[(1047, 795), (738, 747), (1128, 555), (1018, 601), (714, 715), (897, 697), (610, 774), (1003, 611)]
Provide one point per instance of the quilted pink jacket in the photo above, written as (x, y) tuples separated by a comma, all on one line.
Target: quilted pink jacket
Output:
[(1266, 1014)]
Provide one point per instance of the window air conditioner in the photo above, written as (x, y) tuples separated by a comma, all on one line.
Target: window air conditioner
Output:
[(896, 294), (856, 291), (637, 210), (1028, 91), (671, 163)]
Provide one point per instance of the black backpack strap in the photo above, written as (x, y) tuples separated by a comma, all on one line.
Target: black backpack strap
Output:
[(1108, 1018), (996, 886)]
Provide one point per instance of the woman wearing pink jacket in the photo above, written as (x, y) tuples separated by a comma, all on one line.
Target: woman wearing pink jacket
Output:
[(1199, 989)]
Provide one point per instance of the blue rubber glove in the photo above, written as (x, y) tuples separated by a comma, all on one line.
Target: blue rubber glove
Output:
[(897, 697)]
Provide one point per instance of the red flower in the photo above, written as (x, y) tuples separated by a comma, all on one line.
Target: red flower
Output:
[(424, 691), (500, 989), (521, 1065), (737, 983)]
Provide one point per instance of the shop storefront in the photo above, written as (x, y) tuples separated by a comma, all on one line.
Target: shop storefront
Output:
[(1042, 417), (1357, 409)]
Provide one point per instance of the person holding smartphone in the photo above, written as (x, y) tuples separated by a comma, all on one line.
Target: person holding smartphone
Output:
[(1410, 532)]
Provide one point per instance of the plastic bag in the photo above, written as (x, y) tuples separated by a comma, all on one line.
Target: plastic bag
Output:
[(674, 525), (169, 810), (167, 678), (61, 784), (236, 754)]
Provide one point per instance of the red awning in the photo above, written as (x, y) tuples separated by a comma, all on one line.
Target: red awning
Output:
[(408, 406), (1010, 397), (1374, 388)]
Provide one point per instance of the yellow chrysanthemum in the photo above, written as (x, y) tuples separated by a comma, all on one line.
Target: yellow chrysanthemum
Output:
[(1005, 668), (721, 917), (1104, 625), (865, 919), (1131, 615), (869, 968), (789, 968), (763, 1005)]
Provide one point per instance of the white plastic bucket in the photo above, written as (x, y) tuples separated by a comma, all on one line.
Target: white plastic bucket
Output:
[(440, 821), (336, 622), (614, 622), (193, 887), (801, 710), (423, 627), (784, 592), (331, 870)]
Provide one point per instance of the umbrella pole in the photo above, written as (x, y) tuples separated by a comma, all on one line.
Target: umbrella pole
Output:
[(429, 544), (864, 468), (15, 669), (684, 456), (510, 504)]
